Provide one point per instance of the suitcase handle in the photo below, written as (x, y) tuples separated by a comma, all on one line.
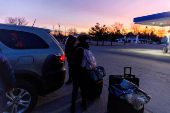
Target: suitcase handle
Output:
[(128, 75)]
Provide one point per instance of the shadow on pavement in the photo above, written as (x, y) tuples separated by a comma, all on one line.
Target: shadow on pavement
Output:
[(62, 105)]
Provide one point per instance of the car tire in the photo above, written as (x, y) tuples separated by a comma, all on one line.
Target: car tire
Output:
[(23, 99)]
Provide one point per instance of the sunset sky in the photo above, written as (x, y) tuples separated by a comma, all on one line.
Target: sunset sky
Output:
[(80, 14)]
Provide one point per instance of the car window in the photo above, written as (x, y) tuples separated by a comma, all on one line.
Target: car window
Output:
[(21, 40)]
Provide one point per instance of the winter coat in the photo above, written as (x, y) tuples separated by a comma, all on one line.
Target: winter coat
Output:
[(80, 73), (7, 80), (69, 51)]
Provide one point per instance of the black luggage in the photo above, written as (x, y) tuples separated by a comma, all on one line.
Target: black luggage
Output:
[(95, 82), (116, 105), (116, 79), (94, 89)]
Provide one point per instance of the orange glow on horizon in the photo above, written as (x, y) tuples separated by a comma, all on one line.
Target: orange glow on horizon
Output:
[(158, 31)]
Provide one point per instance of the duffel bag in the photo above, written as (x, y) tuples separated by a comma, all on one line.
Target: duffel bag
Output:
[(97, 74)]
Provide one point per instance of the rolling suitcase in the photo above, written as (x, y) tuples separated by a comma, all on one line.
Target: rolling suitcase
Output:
[(116, 105), (95, 83), (94, 89), (116, 79)]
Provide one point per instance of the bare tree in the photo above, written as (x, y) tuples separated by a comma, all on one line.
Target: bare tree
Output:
[(161, 32), (72, 31), (152, 31), (16, 21), (134, 28), (117, 27), (124, 31), (75, 31), (11, 20)]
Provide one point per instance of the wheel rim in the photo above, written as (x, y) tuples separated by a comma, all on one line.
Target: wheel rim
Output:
[(18, 101)]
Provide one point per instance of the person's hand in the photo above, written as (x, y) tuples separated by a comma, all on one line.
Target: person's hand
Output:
[(12, 90)]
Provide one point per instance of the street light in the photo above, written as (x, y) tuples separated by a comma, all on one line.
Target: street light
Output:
[(59, 28)]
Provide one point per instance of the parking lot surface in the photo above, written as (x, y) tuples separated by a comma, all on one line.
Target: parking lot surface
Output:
[(148, 63)]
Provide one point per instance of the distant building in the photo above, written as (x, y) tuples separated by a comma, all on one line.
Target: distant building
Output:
[(133, 40)]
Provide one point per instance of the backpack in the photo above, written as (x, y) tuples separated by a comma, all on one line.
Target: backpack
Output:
[(88, 60)]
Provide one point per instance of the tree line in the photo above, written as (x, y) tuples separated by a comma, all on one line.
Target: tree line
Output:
[(105, 33)]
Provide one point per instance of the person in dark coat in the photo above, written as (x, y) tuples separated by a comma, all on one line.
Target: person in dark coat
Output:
[(80, 73), (7, 81), (69, 51)]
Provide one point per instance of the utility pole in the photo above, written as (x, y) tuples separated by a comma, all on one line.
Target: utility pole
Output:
[(59, 28), (65, 30), (53, 30)]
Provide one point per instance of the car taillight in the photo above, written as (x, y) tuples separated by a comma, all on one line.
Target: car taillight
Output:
[(60, 57)]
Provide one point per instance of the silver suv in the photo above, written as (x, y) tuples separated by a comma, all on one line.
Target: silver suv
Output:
[(38, 62)]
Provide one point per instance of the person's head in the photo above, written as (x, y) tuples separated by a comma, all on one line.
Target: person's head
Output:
[(82, 38), (82, 42), (71, 39)]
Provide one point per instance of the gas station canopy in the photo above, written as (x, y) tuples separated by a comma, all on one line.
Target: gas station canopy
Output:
[(159, 19)]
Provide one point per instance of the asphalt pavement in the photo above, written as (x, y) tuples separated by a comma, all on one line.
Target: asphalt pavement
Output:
[(148, 63)]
